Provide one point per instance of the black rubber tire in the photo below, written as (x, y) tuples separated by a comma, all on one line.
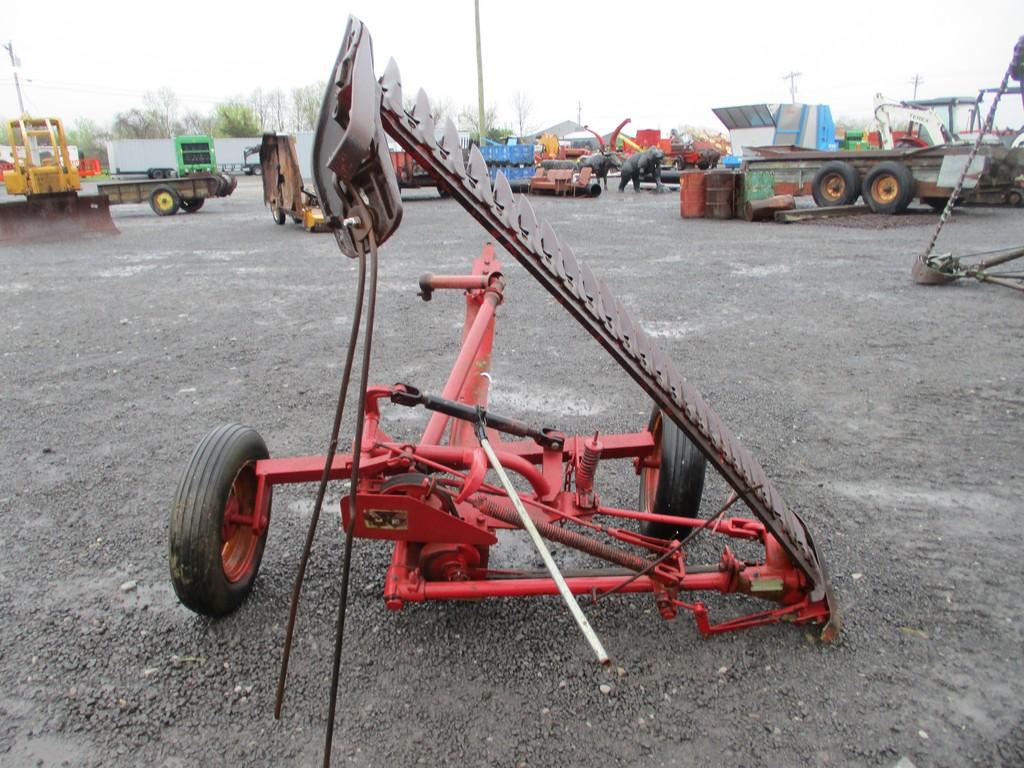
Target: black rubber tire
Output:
[(1015, 198), (680, 479), (192, 204), (836, 183), (296, 219), (892, 178), (278, 214), (197, 516), (164, 201)]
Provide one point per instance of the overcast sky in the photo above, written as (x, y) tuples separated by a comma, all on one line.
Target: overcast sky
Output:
[(660, 63)]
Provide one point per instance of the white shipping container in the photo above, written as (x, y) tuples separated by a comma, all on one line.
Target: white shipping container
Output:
[(304, 149), (232, 151), (139, 155)]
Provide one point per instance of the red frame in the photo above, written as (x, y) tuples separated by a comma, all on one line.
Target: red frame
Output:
[(441, 549)]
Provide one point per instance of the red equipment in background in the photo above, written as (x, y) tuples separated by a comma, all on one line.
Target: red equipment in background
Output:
[(89, 166)]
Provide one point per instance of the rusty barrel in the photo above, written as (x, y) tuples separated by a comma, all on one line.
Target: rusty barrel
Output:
[(691, 194), (720, 195)]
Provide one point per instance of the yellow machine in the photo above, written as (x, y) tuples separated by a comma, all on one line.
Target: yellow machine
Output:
[(550, 144), (42, 163), (43, 173)]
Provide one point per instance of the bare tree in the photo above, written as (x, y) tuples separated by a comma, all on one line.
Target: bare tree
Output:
[(306, 105), (522, 107), (260, 104), (162, 104), (277, 110), (196, 123), (468, 120), (137, 124)]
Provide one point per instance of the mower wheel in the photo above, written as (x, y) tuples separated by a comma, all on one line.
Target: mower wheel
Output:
[(214, 551), (278, 214), (192, 204), (673, 487), (164, 201)]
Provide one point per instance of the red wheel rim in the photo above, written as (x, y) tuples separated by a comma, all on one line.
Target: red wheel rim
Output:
[(239, 541)]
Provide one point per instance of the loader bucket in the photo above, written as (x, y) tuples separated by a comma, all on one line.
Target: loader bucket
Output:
[(926, 274), (56, 217)]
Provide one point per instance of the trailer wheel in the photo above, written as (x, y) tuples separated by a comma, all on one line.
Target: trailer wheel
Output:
[(675, 485), (214, 551), (192, 204), (1015, 198), (164, 201), (888, 187), (835, 183)]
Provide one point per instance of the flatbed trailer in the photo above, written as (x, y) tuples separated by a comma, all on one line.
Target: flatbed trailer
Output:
[(889, 180), (167, 196)]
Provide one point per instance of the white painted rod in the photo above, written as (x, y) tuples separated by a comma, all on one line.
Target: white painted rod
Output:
[(538, 542)]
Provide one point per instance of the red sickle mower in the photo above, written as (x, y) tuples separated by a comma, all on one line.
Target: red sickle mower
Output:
[(430, 497)]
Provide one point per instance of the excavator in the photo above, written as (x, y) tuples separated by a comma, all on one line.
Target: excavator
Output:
[(43, 173), (924, 128)]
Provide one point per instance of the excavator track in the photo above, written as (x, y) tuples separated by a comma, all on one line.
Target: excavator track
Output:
[(352, 179)]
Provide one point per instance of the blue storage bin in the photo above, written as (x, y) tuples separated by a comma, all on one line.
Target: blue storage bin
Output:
[(520, 154)]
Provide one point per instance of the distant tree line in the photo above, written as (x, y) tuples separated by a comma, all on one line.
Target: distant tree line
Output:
[(161, 116)]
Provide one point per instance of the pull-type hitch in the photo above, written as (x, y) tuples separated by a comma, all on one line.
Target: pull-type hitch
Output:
[(431, 497)]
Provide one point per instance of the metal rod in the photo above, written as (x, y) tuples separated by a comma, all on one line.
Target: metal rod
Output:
[(995, 261), (357, 450), (332, 449), (538, 542), (984, 128)]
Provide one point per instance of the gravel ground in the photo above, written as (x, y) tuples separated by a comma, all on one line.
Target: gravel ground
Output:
[(889, 415)]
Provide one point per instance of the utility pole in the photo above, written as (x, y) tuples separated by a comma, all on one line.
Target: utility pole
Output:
[(15, 63), (792, 76), (579, 113), (916, 80), (479, 74)]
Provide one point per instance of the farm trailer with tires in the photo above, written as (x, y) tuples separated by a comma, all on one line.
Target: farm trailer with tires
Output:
[(889, 180), (167, 196)]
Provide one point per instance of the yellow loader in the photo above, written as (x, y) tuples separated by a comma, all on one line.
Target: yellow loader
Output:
[(52, 209)]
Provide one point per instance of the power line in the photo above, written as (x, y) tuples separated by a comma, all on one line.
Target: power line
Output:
[(15, 63), (82, 88), (916, 80), (792, 77)]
